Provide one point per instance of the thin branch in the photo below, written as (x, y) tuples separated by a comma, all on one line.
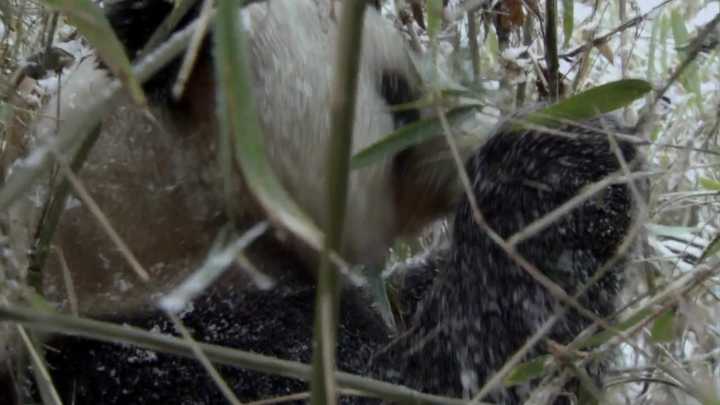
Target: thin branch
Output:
[(551, 49), (620, 28), (103, 220), (695, 49), (199, 354), (48, 391)]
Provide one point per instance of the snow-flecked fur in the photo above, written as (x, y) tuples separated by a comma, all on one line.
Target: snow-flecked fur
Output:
[(480, 308), (475, 305), (483, 306)]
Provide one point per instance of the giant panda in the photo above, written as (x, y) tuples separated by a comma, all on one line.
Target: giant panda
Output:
[(171, 160), (155, 175), (477, 306), (472, 312)]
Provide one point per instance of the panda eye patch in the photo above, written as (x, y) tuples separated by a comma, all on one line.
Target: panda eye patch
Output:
[(396, 90)]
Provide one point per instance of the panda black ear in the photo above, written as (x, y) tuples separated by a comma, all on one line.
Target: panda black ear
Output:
[(134, 21), (424, 176), (395, 88)]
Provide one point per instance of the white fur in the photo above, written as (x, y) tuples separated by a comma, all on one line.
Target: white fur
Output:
[(293, 87), (158, 183)]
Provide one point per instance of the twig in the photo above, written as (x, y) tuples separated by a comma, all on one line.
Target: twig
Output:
[(695, 48), (40, 370), (551, 49), (102, 219), (622, 27), (193, 49)]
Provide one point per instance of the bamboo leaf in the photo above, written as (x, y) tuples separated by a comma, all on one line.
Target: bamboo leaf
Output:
[(568, 21), (407, 136), (655, 33), (91, 22), (710, 184), (525, 372), (690, 79), (434, 17), (239, 123), (588, 104), (603, 337), (663, 328), (712, 249)]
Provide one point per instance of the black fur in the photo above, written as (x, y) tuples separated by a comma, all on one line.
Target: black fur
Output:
[(483, 306), (479, 310), (475, 314), (135, 21), (276, 323), (396, 90)]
